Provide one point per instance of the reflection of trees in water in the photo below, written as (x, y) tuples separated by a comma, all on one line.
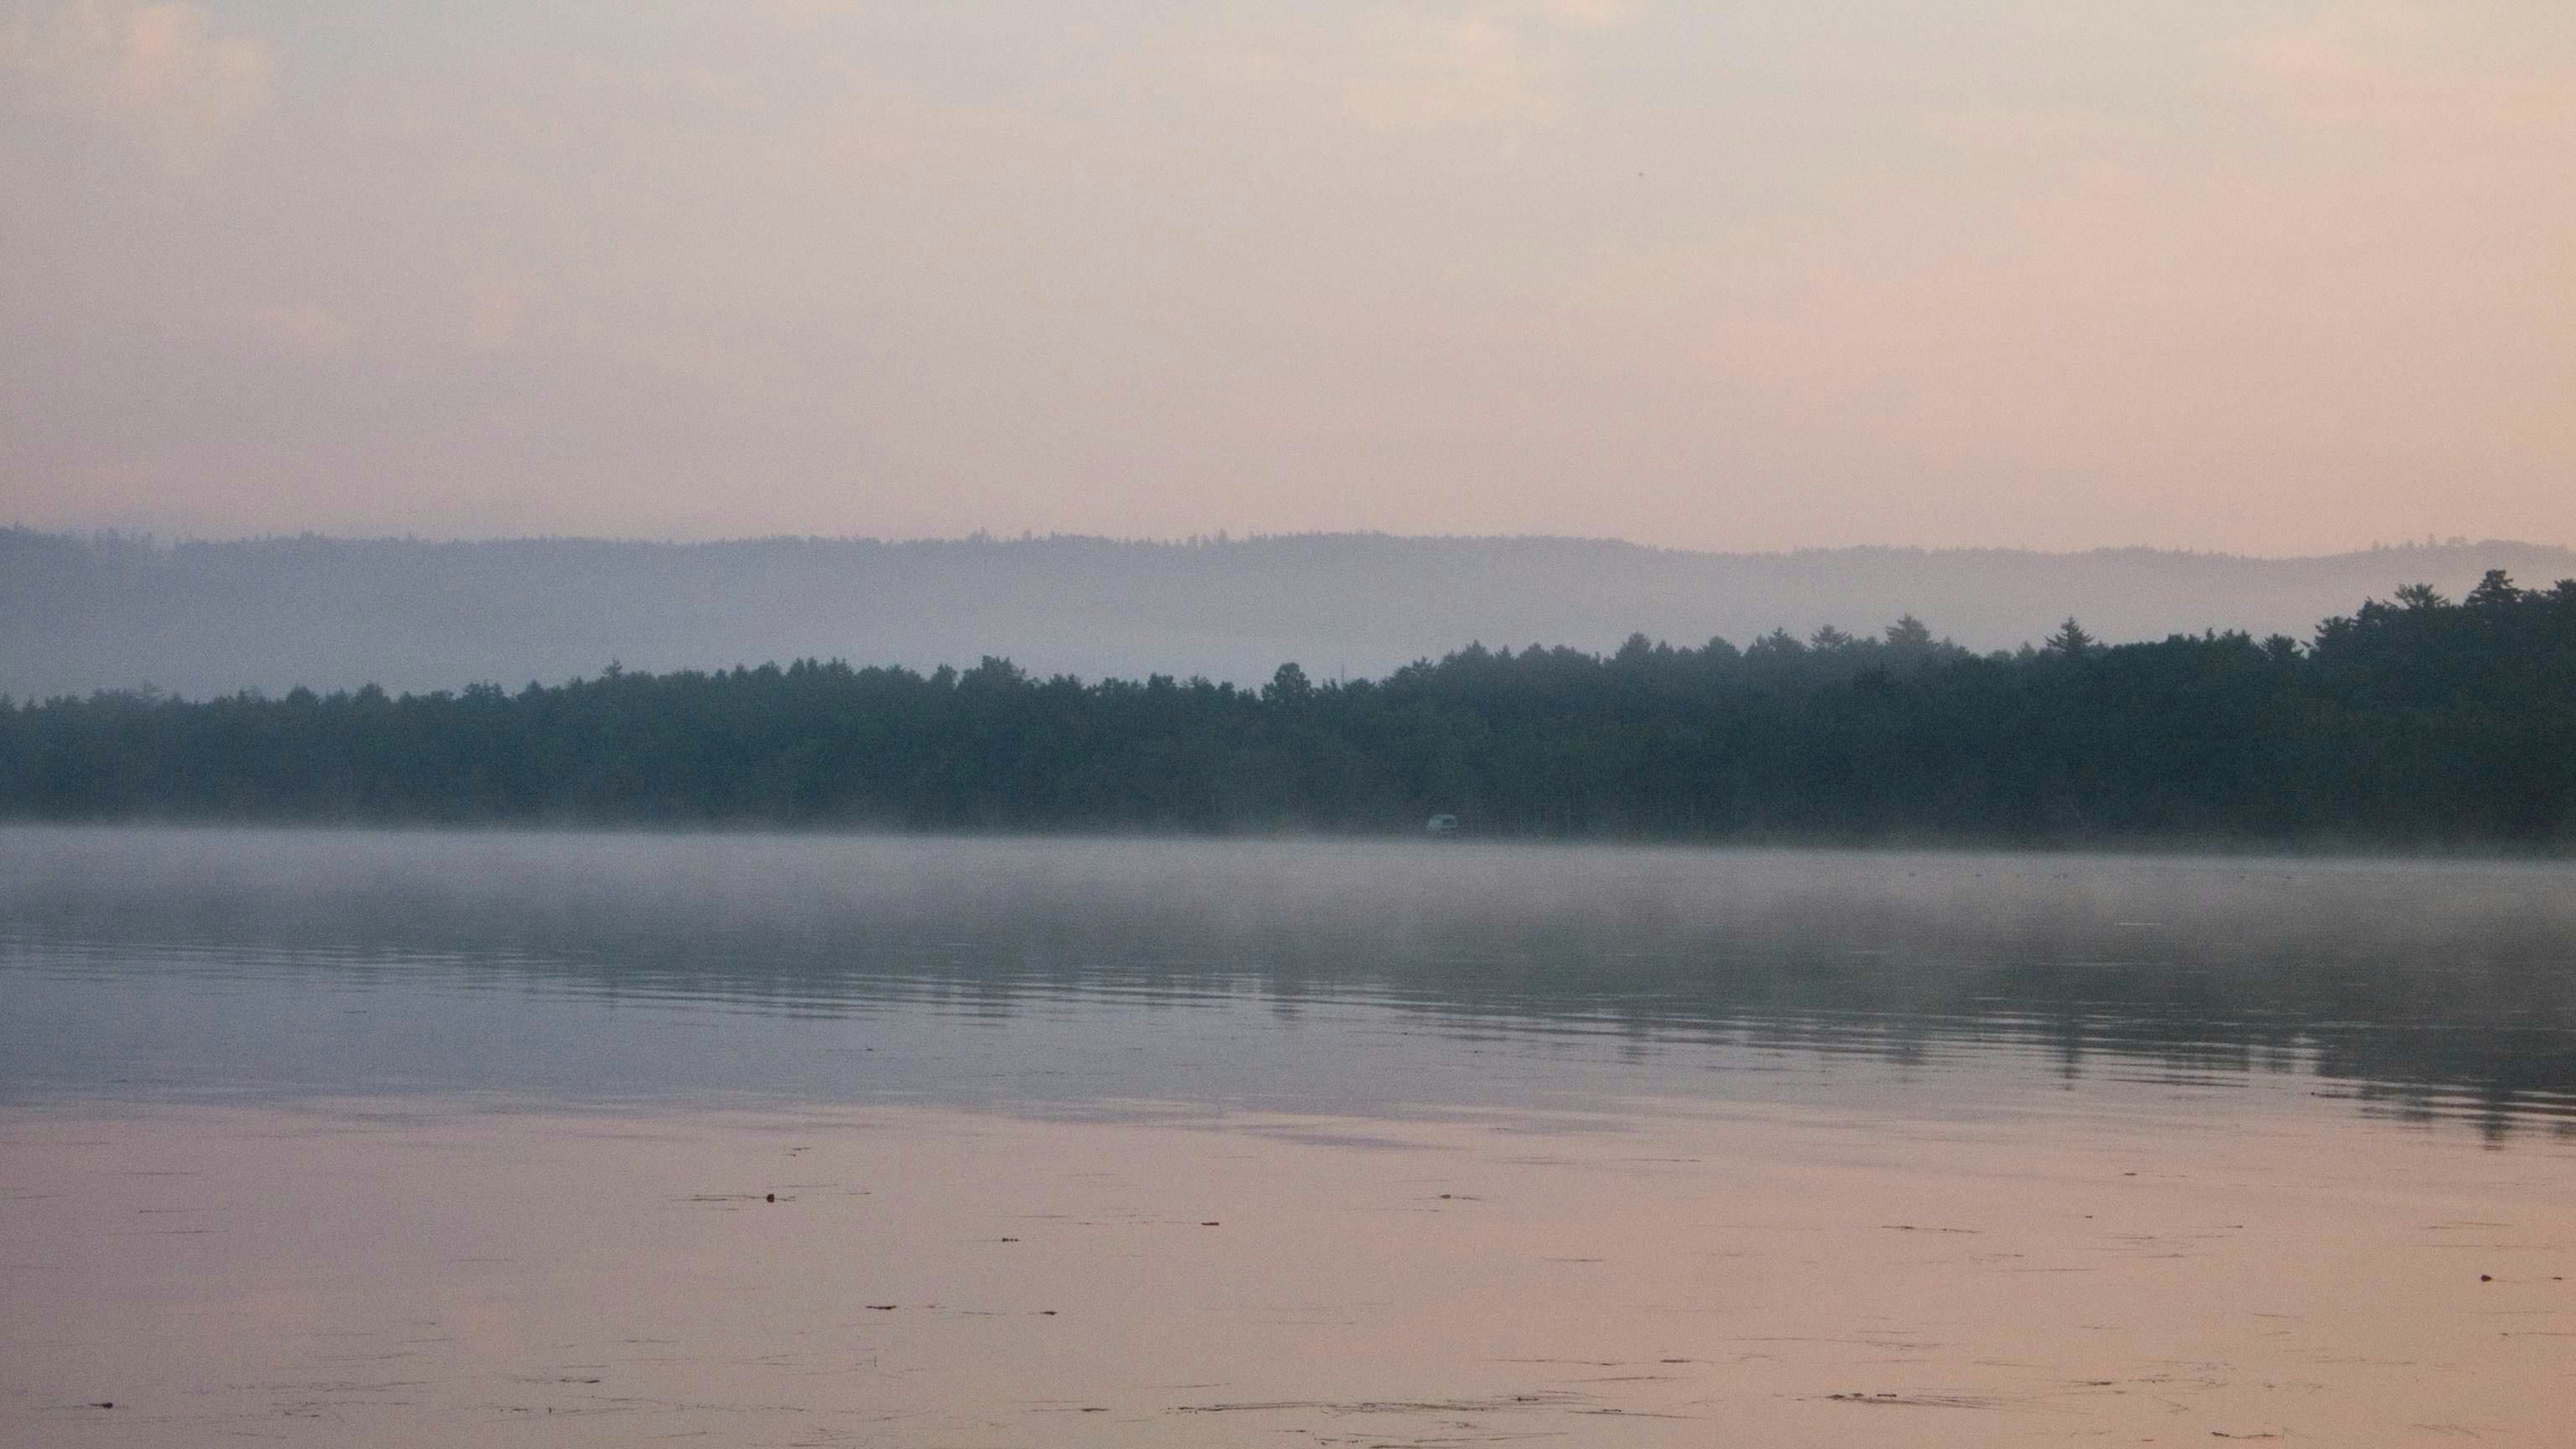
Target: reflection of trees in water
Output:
[(2423, 990)]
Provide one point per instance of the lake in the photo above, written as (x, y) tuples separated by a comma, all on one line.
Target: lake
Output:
[(419, 1138)]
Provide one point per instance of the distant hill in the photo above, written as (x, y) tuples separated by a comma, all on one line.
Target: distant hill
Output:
[(78, 614)]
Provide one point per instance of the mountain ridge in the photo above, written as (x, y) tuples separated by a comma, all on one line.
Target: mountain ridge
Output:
[(207, 617)]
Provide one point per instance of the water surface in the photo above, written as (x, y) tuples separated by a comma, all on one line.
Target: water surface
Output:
[(416, 1138)]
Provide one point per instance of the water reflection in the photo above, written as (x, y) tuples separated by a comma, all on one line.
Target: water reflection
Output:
[(1270, 970)]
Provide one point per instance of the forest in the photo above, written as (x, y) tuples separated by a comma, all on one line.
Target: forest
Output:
[(2421, 722)]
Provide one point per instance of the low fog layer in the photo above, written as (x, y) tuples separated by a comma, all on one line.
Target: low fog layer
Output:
[(271, 614), (2439, 987)]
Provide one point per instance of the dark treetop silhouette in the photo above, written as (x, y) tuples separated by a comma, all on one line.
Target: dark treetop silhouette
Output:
[(2421, 722)]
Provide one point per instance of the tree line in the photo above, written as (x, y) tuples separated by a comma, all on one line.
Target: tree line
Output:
[(2416, 721)]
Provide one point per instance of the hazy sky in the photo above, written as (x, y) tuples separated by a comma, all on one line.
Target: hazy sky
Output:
[(2268, 277)]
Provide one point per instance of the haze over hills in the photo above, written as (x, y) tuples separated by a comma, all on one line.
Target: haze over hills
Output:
[(270, 614)]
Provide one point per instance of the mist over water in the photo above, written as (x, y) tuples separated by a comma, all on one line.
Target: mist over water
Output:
[(1082, 974)]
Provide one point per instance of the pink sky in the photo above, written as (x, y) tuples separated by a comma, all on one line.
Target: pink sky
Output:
[(2262, 277)]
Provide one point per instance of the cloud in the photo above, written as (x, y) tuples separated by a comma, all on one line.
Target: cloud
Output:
[(2389, 69), (2336, 52), (1418, 75), (1401, 70), (160, 75), (1589, 14)]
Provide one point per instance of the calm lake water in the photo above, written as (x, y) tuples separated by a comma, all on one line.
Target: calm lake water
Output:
[(421, 1138)]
